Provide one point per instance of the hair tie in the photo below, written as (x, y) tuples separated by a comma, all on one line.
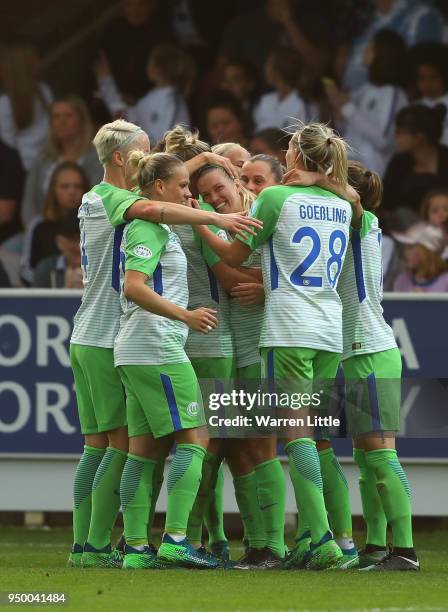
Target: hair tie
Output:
[(328, 141), (367, 174)]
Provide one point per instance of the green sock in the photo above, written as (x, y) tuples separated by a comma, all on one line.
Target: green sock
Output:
[(393, 487), (304, 468), (135, 493), (336, 494), (214, 511), (210, 469), (157, 481), (372, 506), (251, 515), (184, 477), (271, 490), (106, 497), (82, 492)]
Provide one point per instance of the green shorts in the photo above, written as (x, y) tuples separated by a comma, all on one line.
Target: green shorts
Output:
[(162, 399), (249, 372), (213, 367), (99, 390), (299, 370), (373, 392)]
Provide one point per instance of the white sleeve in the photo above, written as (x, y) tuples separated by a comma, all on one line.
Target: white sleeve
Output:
[(111, 96), (378, 133), (8, 131)]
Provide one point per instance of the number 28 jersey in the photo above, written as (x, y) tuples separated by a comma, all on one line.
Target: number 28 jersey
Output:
[(303, 245)]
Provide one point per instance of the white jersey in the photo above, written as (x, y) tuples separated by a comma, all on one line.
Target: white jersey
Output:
[(303, 244), (97, 321), (246, 323), (361, 290), (146, 338), (205, 291)]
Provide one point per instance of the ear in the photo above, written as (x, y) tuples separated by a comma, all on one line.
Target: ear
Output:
[(159, 186), (118, 159)]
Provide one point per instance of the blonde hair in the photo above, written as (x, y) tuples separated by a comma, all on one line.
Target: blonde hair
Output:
[(183, 143), (53, 148), (19, 80), (114, 136), (431, 263), (224, 148), (321, 150), (367, 183), (150, 167), (247, 197)]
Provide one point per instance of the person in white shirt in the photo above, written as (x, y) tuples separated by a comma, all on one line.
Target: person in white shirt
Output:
[(69, 139), (281, 107), (415, 21), (25, 103), (366, 117), (164, 106), (431, 78)]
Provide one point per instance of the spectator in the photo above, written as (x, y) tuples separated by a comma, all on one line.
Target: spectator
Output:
[(249, 36), (261, 171), (271, 141), (426, 271), (421, 163), (434, 210), (68, 183), (413, 20), (366, 117), (5, 282), (142, 25), (70, 139), (172, 72), (64, 270), (431, 76), (12, 178), (281, 107), (241, 80), (234, 152), (25, 103), (226, 120)]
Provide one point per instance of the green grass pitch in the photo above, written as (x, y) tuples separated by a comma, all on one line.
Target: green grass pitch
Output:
[(35, 560)]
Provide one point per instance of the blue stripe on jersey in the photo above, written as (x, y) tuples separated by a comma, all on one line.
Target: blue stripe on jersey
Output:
[(158, 280), (357, 259), (116, 258), (274, 268), (214, 292), (271, 371), (373, 401), (171, 399)]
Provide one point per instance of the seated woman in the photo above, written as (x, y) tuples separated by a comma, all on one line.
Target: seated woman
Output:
[(421, 162), (67, 185), (426, 271), (69, 139)]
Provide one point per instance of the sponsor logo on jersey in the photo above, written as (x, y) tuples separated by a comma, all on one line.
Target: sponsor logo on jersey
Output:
[(193, 409), (143, 251), (223, 235)]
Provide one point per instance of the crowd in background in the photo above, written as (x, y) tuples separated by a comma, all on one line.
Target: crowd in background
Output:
[(241, 72)]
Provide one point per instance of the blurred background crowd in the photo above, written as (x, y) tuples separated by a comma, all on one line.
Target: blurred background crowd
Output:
[(241, 71)]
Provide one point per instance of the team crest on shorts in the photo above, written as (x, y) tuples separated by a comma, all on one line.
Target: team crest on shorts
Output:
[(193, 409)]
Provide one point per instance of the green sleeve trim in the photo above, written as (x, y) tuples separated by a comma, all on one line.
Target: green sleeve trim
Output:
[(366, 223), (145, 243), (117, 203), (267, 208)]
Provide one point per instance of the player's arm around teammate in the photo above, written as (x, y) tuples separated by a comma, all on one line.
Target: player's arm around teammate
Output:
[(163, 397)]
